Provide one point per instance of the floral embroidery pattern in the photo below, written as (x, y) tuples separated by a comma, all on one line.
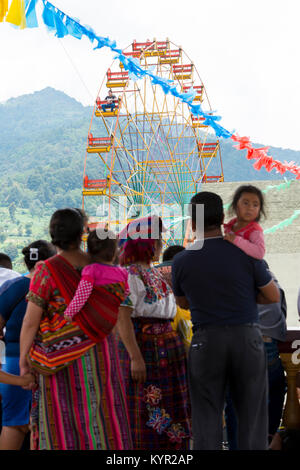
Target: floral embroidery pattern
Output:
[(176, 433), (163, 363), (161, 421), (156, 287), (156, 329), (152, 395)]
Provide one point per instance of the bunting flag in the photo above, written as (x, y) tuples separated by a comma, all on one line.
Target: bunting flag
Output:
[(279, 187), (3, 9), (16, 13), (263, 159), (283, 223), (22, 13), (31, 19)]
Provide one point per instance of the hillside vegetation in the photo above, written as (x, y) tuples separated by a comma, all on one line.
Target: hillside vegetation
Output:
[(42, 148)]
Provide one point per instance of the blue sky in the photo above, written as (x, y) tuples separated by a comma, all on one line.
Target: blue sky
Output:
[(247, 54)]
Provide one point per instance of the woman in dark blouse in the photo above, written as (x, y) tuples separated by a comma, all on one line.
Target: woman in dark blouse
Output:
[(16, 401)]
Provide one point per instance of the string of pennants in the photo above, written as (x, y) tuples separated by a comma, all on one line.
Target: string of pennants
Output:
[(22, 14)]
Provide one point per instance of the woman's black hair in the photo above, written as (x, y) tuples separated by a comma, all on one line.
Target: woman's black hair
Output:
[(83, 214), (104, 248), (248, 188), (66, 228), (37, 251)]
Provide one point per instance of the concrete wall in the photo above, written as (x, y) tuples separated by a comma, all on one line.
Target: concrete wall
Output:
[(283, 246)]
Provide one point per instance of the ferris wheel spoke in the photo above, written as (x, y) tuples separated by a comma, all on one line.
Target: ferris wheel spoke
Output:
[(176, 181), (141, 169), (154, 135)]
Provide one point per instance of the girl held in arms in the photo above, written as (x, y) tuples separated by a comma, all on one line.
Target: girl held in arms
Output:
[(244, 230)]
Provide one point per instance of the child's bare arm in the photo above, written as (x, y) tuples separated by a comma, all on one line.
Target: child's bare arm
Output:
[(11, 379), (28, 380), (29, 329)]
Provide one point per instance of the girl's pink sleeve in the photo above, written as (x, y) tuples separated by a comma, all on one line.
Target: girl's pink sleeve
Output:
[(82, 294), (254, 247)]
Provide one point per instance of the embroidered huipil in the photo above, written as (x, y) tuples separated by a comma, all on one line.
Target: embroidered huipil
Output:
[(150, 296)]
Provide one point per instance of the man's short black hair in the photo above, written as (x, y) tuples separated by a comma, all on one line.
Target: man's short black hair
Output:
[(171, 251), (213, 209), (5, 261)]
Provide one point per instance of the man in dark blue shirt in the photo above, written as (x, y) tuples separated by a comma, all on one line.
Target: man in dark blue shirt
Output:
[(221, 285)]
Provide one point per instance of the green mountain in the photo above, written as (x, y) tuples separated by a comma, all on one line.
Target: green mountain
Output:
[(42, 145), (42, 149)]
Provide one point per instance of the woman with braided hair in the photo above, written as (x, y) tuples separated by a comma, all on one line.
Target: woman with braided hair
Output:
[(80, 400), (152, 354)]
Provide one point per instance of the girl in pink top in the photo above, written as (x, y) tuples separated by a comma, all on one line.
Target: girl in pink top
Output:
[(102, 247), (244, 230)]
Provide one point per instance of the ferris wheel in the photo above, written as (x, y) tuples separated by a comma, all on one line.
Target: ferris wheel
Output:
[(145, 150)]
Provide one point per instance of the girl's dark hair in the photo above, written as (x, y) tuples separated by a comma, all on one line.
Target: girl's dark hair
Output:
[(37, 251), (104, 248), (66, 228), (171, 251), (248, 188), (5, 261)]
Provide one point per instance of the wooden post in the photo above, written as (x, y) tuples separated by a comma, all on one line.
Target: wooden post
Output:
[(291, 414)]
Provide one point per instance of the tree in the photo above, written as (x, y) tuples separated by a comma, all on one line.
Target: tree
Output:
[(11, 250), (34, 182), (28, 229), (12, 210)]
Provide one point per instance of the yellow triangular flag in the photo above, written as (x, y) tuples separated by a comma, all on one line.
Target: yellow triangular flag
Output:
[(23, 18), (3, 9), (14, 15)]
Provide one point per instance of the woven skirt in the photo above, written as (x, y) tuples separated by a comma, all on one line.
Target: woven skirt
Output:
[(159, 409), (83, 406)]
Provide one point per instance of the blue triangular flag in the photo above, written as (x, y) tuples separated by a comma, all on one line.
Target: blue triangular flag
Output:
[(74, 28), (48, 17), (61, 29), (31, 19)]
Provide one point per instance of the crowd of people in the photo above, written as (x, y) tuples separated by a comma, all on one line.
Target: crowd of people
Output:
[(111, 349)]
